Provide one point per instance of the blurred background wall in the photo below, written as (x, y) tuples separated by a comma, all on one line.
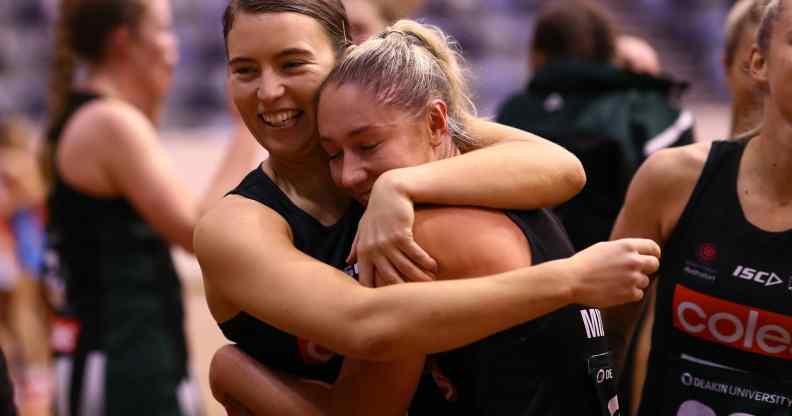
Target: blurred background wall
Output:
[(493, 34)]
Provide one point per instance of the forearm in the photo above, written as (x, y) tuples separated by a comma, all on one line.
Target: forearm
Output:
[(416, 318), (513, 175)]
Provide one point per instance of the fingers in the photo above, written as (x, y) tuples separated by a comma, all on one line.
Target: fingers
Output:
[(643, 246), (650, 264), (385, 274), (407, 270), (366, 273), (352, 257), (418, 257)]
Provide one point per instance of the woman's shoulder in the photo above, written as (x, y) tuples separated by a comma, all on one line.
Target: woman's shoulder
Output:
[(238, 218), (108, 118), (674, 167)]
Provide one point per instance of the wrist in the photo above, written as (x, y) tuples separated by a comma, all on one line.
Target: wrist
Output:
[(396, 181), (565, 280)]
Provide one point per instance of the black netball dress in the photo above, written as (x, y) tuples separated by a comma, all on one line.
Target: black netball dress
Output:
[(722, 334), (329, 244)]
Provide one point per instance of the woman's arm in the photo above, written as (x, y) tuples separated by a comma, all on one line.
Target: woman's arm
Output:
[(111, 149), (516, 170), (244, 387), (467, 242), (654, 202), (248, 260)]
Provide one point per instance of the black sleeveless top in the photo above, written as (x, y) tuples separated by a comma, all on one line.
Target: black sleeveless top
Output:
[(722, 334), (557, 364), (120, 283), (7, 406), (268, 345)]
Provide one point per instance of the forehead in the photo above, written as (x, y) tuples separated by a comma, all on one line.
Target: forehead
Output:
[(348, 107), (256, 33)]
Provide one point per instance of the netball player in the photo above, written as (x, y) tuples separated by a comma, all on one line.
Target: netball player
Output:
[(115, 207), (717, 336)]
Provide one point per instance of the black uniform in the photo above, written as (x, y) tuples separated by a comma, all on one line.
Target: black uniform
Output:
[(7, 406), (722, 334), (557, 364), (268, 345), (118, 337)]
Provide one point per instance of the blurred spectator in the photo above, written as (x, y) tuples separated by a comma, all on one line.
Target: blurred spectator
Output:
[(366, 18), (746, 107), (612, 119), (21, 257), (637, 55)]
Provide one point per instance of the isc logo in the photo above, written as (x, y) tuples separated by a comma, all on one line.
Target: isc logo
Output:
[(758, 276)]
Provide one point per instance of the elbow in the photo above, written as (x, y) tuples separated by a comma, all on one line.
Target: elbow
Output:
[(374, 344), (575, 176), (374, 334)]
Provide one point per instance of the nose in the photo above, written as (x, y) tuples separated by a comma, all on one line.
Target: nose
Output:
[(353, 173), (270, 87)]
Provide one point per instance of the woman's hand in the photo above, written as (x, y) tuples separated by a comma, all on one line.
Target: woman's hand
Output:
[(613, 272), (384, 247)]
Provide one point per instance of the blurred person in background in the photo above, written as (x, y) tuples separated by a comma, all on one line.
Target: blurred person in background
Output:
[(611, 118), (115, 207), (746, 106), (22, 260), (637, 55), (716, 332)]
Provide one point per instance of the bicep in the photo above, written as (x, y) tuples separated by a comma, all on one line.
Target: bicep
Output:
[(248, 260)]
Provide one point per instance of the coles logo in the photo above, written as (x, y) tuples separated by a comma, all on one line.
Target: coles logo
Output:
[(312, 353), (732, 324), (707, 253)]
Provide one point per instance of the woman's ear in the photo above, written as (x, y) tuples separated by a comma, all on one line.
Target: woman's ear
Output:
[(437, 117), (118, 42), (758, 67)]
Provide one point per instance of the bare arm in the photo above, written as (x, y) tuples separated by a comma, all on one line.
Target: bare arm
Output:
[(655, 200), (112, 149), (517, 170), (248, 261), (467, 242)]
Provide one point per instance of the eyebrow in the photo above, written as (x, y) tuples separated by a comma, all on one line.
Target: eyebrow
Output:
[(282, 54), (354, 132)]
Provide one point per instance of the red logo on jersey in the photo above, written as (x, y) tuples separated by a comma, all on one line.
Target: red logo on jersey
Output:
[(312, 353), (707, 253), (732, 324)]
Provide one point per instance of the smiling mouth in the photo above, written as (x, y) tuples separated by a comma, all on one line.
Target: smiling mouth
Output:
[(281, 119)]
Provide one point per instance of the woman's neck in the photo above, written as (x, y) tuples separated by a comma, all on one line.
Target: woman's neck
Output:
[(308, 184), (113, 83), (769, 158)]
